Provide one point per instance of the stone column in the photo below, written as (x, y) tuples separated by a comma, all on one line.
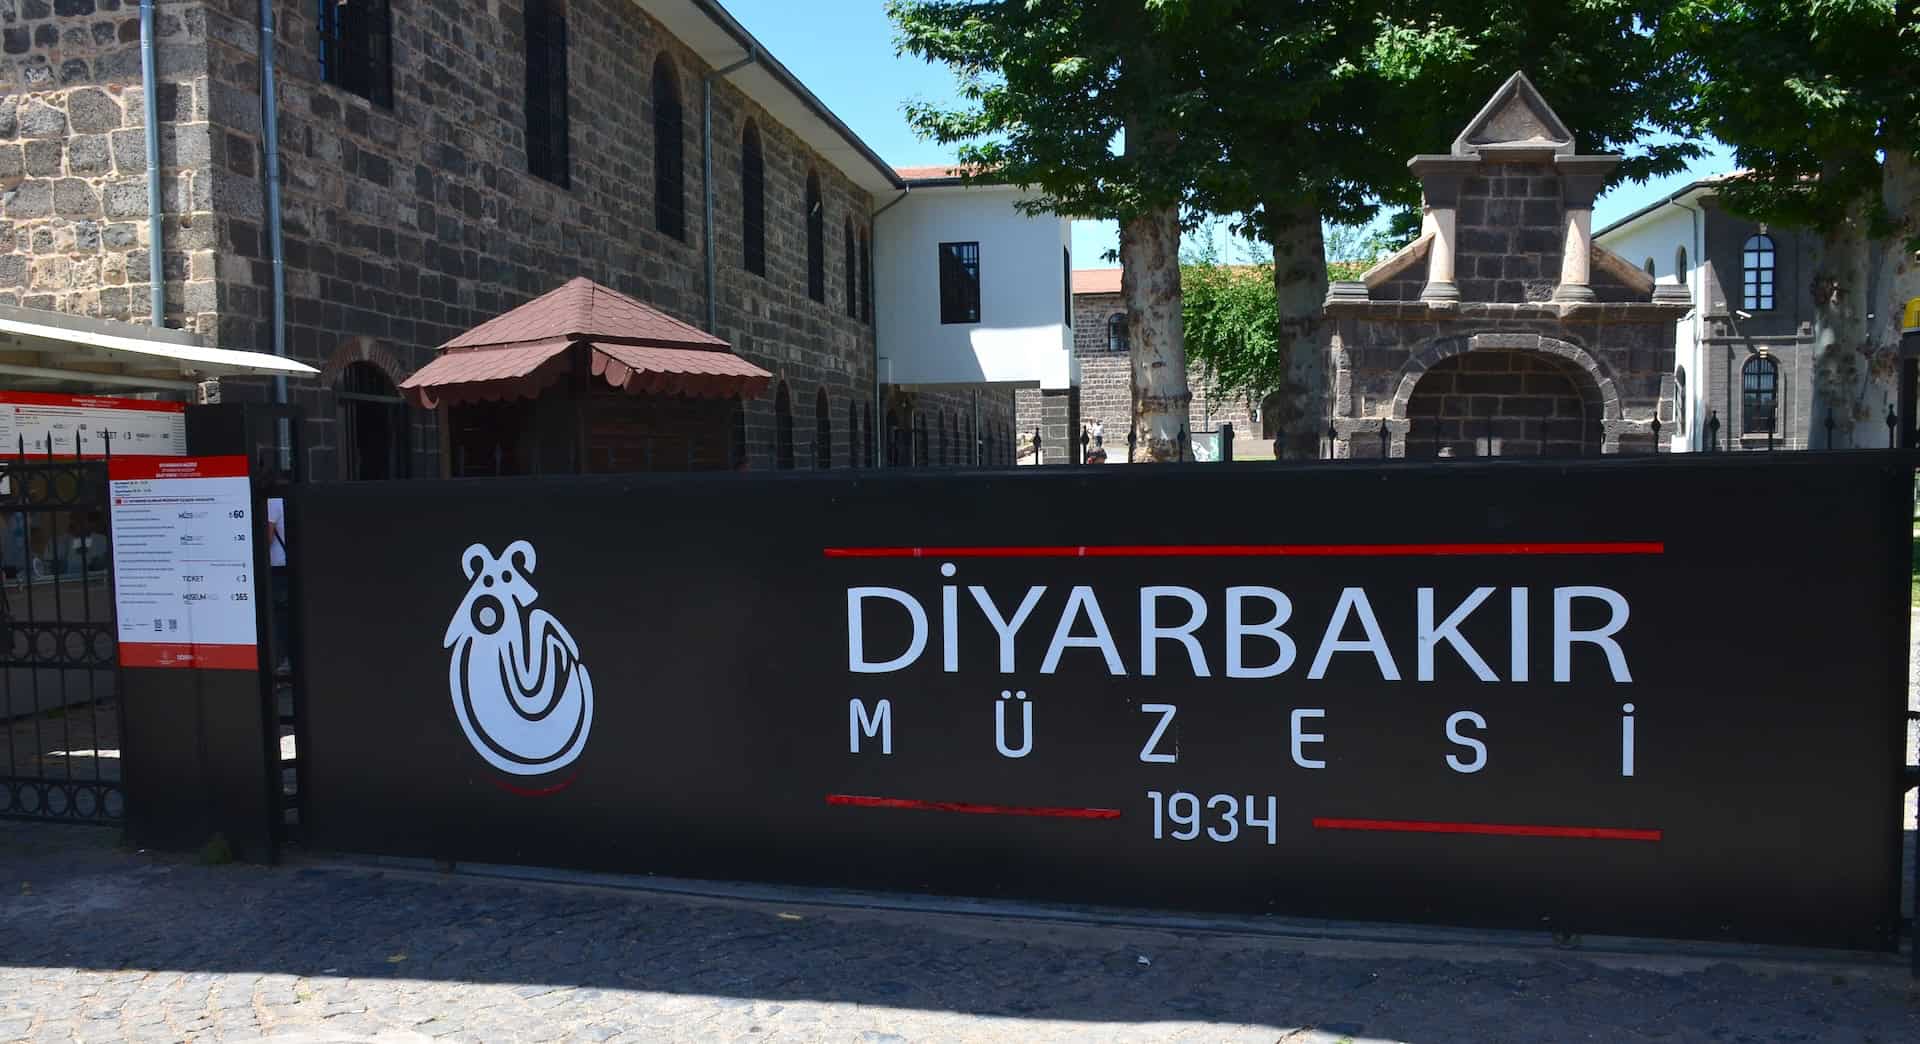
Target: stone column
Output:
[(1440, 180), (1581, 178)]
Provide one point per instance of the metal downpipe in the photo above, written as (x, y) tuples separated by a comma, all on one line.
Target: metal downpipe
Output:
[(149, 88)]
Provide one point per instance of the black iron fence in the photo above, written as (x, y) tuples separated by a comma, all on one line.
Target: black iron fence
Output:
[(59, 690)]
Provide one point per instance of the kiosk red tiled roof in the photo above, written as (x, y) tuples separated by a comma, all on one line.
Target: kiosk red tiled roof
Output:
[(633, 347)]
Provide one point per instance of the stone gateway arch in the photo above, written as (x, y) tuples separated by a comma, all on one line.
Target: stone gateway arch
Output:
[(1503, 330)]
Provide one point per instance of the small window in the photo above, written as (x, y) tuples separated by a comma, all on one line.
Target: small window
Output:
[(959, 282), (1759, 389), (1649, 268), (852, 272), (1117, 332), (783, 428), (356, 48), (1066, 284), (753, 202), (669, 154), (547, 149), (1680, 263), (1757, 267), (816, 241)]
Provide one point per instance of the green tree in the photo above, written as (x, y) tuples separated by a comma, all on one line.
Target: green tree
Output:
[(1090, 104), (1326, 102), (1820, 100)]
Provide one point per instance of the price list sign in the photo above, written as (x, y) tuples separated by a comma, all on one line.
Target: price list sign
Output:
[(183, 562), (136, 427)]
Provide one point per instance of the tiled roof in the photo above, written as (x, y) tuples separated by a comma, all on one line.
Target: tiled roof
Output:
[(1096, 280), (583, 309), (635, 347)]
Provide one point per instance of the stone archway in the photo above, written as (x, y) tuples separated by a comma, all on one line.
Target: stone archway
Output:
[(1505, 394)]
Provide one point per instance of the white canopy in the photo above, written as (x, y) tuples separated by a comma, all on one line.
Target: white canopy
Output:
[(51, 349)]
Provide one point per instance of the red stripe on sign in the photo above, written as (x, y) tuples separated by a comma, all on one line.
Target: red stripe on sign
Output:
[(1613, 547), (966, 808), (1500, 829), (190, 655)]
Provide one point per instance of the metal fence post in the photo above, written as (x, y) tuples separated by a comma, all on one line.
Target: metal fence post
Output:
[(1713, 430), (1386, 440), (1226, 442), (1893, 421), (1656, 435), (1132, 437), (1333, 439), (1180, 447), (1039, 457), (1085, 441), (1829, 430)]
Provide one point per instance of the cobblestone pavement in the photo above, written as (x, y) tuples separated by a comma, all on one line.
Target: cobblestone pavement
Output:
[(100, 944)]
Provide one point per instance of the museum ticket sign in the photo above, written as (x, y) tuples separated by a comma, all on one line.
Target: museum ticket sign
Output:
[(1610, 696), (133, 427), (183, 566)]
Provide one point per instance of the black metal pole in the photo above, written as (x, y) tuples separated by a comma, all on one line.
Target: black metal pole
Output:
[(1386, 440)]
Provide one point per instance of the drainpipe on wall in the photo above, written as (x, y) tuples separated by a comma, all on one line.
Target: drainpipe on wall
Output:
[(149, 75), (879, 407), (706, 178), (270, 132)]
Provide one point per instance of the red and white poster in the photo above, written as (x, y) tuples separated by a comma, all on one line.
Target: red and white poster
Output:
[(183, 568), (133, 427)]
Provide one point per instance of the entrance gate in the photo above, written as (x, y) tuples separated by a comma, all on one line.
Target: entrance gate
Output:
[(59, 695)]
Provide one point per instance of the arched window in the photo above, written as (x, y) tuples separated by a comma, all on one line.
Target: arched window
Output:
[(1756, 267), (1649, 267), (753, 202), (546, 110), (1759, 390), (737, 448), (375, 434), (816, 241), (669, 152), (822, 430), (853, 434), (1680, 263), (866, 275), (852, 272), (1117, 332), (783, 428)]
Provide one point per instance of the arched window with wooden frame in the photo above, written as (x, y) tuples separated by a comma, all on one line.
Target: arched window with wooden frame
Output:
[(753, 201), (1117, 332), (1759, 394), (783, 428), (816, 240), (822, 430), (376, 432), (1757, 261), (669, 153), (866, 276)]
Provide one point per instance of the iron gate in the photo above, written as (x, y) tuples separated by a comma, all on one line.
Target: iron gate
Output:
[(59, 699)]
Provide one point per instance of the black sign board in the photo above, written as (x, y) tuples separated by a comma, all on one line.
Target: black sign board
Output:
[(1654, 696)]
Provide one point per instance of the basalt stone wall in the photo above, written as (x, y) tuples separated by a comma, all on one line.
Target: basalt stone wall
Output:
[(405, 226), (1106, 384), (73, 162)]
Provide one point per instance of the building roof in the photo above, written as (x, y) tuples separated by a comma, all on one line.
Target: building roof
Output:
[(1691, 188), (1096, 281), (941, 175), (633, 346), (723, 43)]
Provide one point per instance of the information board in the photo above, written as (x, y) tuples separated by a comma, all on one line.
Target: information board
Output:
[(135, 427), (183, 562), (1507, 693)]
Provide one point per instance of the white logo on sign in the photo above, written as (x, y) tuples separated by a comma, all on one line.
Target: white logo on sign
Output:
[(521, 693)]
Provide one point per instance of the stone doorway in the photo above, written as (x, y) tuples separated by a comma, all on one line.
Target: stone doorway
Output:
[(1505, 404)]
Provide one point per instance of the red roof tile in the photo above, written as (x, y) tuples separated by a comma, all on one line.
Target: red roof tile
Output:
[(582, 309), (1096, 280), (633, 346)]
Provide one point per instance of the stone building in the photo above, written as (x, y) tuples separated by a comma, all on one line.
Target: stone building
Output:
[(1503, 329), (1744, 365), (439, 165), (1105, 391)]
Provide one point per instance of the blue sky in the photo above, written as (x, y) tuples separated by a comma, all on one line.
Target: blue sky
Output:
[(843, 50)]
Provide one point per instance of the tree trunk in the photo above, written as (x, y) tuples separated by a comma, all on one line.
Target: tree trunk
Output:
[(1295, 415), (1150, 283), (1841, 301), (1898, 274)]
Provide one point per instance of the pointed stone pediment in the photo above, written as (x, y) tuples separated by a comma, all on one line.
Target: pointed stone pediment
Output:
[(1516, 118)]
